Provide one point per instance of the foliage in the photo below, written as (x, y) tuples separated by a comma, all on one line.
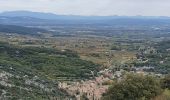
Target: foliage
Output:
[(35, 71), (164, 96), (134, 87), (46, 61), (165, 82)]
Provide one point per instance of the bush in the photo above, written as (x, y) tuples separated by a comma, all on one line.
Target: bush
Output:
[(165, 82), (134, 87)]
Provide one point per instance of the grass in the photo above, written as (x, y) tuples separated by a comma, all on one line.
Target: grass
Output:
[(164, 96)]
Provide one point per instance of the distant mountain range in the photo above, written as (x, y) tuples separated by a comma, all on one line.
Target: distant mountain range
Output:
[(31, 14), (52, 16), (39, 18)]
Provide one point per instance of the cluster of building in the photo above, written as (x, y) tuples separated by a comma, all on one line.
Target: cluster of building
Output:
[(91, 89), (94, 89)]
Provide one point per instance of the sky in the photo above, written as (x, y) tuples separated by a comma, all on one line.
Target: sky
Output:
[(91, 7)]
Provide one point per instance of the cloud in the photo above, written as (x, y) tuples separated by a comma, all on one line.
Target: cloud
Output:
[(91, 7)]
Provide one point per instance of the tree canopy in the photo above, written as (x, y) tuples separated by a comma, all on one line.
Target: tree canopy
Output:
[(134, 87)]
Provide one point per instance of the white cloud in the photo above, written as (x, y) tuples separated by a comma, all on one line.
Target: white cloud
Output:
[(91, 7)]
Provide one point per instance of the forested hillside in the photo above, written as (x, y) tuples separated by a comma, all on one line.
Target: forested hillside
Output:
[(33, 72), (21, 30)]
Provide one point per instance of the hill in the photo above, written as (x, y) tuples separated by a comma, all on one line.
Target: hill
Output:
[(40, 18), (33, 72), (21, 30)]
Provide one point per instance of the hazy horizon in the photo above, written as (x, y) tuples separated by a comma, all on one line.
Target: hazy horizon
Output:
[(90, 7)]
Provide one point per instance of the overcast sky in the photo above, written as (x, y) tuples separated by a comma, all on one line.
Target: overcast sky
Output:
[(91, 7)]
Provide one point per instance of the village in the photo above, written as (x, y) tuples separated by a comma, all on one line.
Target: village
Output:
[(95, 88)]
